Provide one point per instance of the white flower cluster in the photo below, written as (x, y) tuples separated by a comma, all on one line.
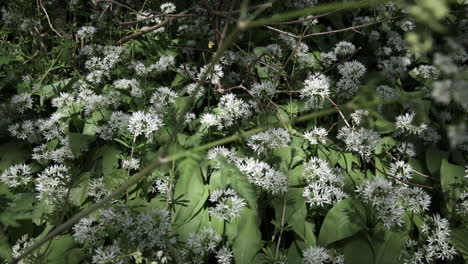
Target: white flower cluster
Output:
[(86, 229), (16, 176), (427, 72), (357, 116), (117, 124), (351, 73), (168, 8), (162, 98), (462, 205), (27, 130), (395, 66), (109, 254), (342, 49), (21, 102), (401, 170), (406, 149), (227, 204), (162, 186), (52, 184), (316, 135), (230, 109), (131, 164), (101, 67), (264, 89), (132, 85), (391, 201), (161, 65), (143, 230), (363, 141), (224, 256), (97, 189), (20, 246), (324, 184), (316, 89), (86, 32), (269, 140), (263, 175), (42, 153), (200, 245), (434, 242), (404, 124), (320, 255), (142, 123)]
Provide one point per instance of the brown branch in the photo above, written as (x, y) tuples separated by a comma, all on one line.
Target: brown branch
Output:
[(117, 3), (48, 19), (304, 19), (341, 30)]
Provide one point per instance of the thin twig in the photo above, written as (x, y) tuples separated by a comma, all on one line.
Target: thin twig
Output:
[(48, 19), (341, 30)]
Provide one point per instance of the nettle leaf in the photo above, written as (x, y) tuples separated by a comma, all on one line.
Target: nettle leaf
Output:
[(249, 240), (451, 177), (344, 220)]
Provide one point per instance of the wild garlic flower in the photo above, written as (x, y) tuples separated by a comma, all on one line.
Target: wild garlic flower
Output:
[(131, 85), (86, 32), (401, 170), (85, 231), (168, 8), (357, 116), (232, 109), (215, 153), (189, 117), (195, 90), (324, 184), (131, 164), (406, 149), (316, 89), (462, 205), (142, 123), (344, 48), (351, 73), (108, 254), (143, 230), (227, 204), (27, 130), (22, 102), (203, 242), (162, 186), (20, 246), (97, 189), (52, 184), (16, 176), (404, 124), (395, 66), (430, 134), (117, 124), (433, 245), (316, 255), (64, 100), (61, 154), (427, 72), (161, 65), (224, 256), (263, 175), (214, 76), (383, 197), (269, 140), (316, 135), (363, 141), (414, 199), (264, 89), (162, 98)]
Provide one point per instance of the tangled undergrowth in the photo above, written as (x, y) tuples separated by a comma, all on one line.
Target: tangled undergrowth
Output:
[(210, 131)]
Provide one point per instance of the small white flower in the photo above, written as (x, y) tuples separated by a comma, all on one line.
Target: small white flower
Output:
[(228, 204), (404, 124), (86, 32), (316, 89), (168, 8), (316, 135), (142, 123), (131, 164), (401, 170), (16, 175), (269, 140)]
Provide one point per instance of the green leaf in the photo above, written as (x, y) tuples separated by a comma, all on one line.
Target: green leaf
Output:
[(79, 192), (62, 251), (190, 188), (388, 248), (344, 220), (459, 238), (79, 142), (451, 176), (11, 154), (358, 251), (248, 241), (434, 157)]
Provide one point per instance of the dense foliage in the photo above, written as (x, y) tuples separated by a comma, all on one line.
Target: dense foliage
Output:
[(211, 131)]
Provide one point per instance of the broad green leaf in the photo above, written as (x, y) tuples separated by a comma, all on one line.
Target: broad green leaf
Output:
[(79, 142), (62, 251), (342, 221), (358, 251), (79, 192), (434, 157), (248, 241), (459, 238), (388, 247), (450, 177)]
